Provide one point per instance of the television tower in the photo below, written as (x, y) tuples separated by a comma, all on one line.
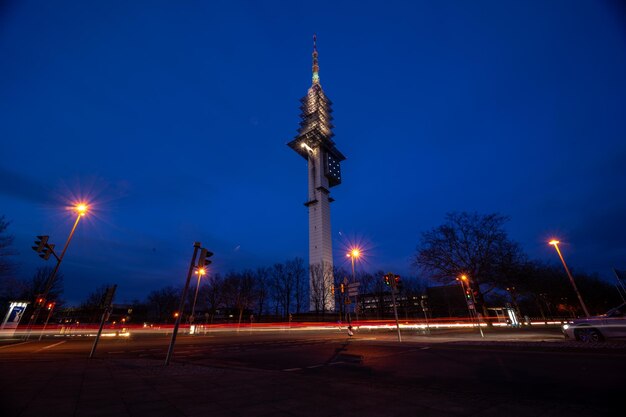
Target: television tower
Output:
[(314, 144)]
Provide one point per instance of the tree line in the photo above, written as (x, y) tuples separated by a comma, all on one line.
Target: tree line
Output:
[(466, 243)]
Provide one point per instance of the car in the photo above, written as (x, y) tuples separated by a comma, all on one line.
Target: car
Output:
[(611, 325)]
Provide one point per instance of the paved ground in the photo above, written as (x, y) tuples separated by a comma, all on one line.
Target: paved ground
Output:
[(314, 373)]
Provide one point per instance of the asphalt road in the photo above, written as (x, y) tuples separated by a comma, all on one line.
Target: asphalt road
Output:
[(315, 373)]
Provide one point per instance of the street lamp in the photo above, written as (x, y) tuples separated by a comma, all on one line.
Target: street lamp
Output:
[(555, 243), (200, 272), (81, 210), (470, 300), (354, 255)]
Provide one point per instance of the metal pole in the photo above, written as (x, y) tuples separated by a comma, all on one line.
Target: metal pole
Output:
[(582, 303), (52, 276), (620, 293), (170, 350), (46, 323), (356, 297), (95, 342), (480, 329), (472, 311), (619, 282), (195, 297), (395, 311), (422, 304)]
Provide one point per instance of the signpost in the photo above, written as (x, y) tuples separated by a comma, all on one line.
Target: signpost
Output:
[(14, 316), (393, 281), (106, 305)]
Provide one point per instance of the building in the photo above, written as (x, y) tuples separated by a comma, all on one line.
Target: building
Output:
[(314, 143)]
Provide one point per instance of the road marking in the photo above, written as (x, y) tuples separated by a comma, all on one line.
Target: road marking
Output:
[(425, 347), (292, 369), (51, 346), (14, 344), (314, 366)]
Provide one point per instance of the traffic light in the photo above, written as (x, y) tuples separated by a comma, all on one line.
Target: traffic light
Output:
[(39, 300), (387, 279), (468, 294), (40, 243), (398, 282), (50, 306), (204, 260), (342, 287), (47, 251)]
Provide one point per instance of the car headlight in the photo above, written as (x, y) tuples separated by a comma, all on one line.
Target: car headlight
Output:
[(565, 326)]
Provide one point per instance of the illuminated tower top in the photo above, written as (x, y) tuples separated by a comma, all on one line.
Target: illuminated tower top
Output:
[(316, 128)]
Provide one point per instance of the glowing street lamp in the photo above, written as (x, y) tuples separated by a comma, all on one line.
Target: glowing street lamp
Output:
[(555, 243), (470, 300), (81, 210), (354, 255), (200, 272)]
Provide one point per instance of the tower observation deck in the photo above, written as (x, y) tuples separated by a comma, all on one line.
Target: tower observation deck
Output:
[(314, 143)]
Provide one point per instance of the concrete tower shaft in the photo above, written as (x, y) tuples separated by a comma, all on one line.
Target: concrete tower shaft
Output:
[(314, 143)]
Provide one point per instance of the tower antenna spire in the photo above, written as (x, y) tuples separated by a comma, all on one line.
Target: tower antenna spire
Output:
[(316, 67)]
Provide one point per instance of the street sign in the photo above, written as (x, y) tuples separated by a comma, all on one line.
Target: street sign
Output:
[(353, 289), (107, 299)]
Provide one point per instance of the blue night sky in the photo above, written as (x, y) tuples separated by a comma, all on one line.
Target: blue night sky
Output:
[(172, 118)]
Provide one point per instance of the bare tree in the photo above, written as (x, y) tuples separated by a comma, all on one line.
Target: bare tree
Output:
[(282, 288), (37, 285), (321, 287), (92, 306), (163, 303), (239, 291), (262, 289), (297, 274), (6, 241), (213, 293), (472, 244)]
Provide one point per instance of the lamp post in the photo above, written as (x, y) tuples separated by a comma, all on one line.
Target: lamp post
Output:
[(200, 272), (555, 243), (354, 255), (471, 308), (81, 209)]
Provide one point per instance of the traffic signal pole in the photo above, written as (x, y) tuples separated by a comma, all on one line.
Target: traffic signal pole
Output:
[(51, 278), (170, 350), (50, 310), (392, 280), (108, 299), (395, 311)]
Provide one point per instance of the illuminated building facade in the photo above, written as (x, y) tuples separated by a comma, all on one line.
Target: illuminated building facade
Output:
[(314, 143)]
